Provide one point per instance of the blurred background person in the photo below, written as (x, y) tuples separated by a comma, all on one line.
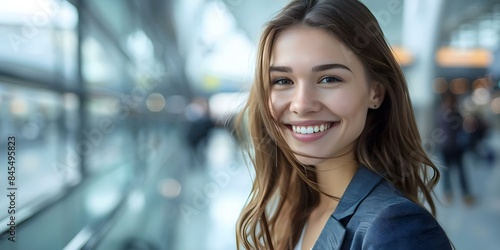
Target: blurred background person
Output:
[(456, 140), (477, 127)]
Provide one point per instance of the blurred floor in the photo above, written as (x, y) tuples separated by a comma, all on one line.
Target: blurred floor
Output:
[(475, 226), (215, 193)]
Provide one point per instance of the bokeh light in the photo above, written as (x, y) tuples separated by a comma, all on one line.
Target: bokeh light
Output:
[(440, 85), (169, 188), (481, 96), (459, 86), (155, 102), (495, 105)]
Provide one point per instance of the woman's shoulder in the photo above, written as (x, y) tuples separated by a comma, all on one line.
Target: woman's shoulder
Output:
[(385, 195), (405, 226), (385, 203), (388, 220)]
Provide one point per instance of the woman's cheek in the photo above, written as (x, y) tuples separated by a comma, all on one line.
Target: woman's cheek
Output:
[(275, 105), (347, 104)]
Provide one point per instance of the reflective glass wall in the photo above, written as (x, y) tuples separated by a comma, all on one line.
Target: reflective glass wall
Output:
[(93, 93)]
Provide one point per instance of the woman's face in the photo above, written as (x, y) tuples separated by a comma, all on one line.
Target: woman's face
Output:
[(320, 94)]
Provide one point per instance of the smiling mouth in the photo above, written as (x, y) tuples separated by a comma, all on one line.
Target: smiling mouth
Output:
[(305, 130)]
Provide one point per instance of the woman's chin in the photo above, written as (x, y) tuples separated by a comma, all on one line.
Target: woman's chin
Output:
[(309, 161)]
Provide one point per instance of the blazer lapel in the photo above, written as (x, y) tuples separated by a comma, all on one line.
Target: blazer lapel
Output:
[(361, 185), (332, 236)]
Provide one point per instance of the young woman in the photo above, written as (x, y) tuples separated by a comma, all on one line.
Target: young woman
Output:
[(336, 150)]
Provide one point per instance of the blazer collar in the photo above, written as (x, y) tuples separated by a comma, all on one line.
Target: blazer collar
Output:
[(363, 182)]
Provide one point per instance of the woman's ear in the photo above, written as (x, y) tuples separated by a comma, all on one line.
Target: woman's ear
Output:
[(377, 94)]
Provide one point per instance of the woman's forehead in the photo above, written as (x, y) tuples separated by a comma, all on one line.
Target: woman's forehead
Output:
[(309, 46)]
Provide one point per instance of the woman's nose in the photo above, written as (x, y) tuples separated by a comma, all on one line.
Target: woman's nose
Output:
[(305, 100)]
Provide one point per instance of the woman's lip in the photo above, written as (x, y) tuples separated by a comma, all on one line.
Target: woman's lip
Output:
[(309, 123), (311, 137)]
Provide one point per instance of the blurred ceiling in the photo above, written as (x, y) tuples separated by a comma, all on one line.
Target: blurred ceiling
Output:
[(217, 38), (460, 12), (252, 15)]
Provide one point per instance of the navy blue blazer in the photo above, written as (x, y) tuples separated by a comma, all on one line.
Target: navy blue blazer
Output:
[(373, 214)]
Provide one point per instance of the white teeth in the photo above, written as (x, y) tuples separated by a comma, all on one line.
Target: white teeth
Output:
[(310, 129)]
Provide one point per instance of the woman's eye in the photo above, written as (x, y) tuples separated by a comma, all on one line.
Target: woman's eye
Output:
[(282, 81), (330, 79)]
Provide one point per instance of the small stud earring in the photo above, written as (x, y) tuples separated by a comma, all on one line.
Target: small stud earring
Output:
[(374, 106)]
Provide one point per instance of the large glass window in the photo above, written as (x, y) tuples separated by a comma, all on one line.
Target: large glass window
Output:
[(39, 41), (38, 64), (36, 119)]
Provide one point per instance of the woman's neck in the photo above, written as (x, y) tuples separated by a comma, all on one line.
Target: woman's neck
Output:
[(333, 177)]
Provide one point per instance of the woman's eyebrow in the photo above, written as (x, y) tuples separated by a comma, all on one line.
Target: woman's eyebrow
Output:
[(324, 67), (317, 68), (285, 69)]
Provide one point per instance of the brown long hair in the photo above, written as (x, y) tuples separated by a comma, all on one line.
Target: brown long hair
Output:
[(390, 144)]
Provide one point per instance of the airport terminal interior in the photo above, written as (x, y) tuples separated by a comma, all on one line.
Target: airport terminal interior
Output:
[(119, 113)]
